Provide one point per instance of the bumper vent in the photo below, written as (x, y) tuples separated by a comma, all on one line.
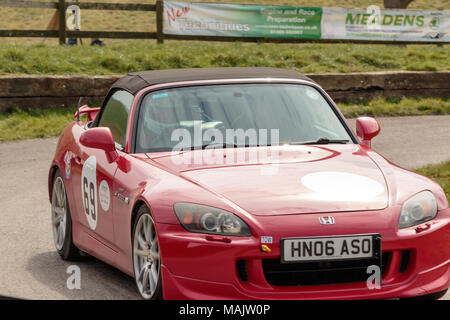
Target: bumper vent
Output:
[(404, 261), (241, 269), (319, 273)]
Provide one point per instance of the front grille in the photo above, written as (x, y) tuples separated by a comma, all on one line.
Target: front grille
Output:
[(319, 273)]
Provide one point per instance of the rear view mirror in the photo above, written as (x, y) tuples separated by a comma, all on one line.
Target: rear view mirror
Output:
[(366, 129), (100, 138)]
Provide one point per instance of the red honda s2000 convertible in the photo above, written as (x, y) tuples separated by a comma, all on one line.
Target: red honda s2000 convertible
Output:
[(244, 183)]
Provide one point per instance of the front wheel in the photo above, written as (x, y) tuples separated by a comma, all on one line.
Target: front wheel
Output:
[(61, 221), (146, 256)]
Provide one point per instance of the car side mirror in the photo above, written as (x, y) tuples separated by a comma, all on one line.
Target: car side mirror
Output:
[(366, 129), (100, 138)]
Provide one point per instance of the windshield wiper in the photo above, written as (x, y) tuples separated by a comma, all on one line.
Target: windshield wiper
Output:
[(320, 141), (213, 145)]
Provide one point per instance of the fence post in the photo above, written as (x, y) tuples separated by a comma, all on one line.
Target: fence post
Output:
[(62, 21), (159, 21)]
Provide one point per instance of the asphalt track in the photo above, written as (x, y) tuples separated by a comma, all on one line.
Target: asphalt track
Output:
[(31, 268)]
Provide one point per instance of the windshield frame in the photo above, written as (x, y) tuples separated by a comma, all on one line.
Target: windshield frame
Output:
[(198, 83)]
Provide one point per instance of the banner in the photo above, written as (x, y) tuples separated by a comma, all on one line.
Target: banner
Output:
[(376, 24), (239, 20)]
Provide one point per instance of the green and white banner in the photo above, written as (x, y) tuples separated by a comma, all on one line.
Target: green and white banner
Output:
[(238, 20), (395, 25)]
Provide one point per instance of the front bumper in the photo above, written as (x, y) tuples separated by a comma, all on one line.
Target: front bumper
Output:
[(197, 268)]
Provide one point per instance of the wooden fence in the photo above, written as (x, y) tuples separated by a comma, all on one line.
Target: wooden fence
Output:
[(62, 33)]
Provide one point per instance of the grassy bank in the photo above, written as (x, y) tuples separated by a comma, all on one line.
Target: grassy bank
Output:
[(135, 56), (36, 123), (397, 107), (439, 173)]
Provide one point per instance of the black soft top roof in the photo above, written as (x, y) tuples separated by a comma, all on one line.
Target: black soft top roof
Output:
[(136, 81)]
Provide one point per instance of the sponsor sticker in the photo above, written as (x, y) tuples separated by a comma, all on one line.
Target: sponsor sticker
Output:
[(104, 195), (266, 239), (68, 165), (160, 95)]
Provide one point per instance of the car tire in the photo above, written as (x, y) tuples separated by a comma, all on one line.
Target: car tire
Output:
[(146, 256), (62, 221)]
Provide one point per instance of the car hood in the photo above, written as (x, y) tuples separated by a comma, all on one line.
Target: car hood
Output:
[(287, 179)]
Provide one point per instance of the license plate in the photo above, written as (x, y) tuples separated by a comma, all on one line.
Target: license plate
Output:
[(330, 248)]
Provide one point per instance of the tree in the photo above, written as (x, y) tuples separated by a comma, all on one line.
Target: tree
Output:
[(396, 4)]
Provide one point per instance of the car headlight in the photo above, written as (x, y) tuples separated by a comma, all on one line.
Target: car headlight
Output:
[(417, 209), (204, 219)]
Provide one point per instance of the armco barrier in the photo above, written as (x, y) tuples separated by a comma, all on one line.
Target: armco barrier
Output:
[(38, 91)]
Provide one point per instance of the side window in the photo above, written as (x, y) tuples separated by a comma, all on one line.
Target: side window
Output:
[(115, 115)]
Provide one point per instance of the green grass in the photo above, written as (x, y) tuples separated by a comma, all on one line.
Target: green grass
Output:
[(135, 56), (34, 123), (439, 173), (28, 56), (397, 107), (37, 123)]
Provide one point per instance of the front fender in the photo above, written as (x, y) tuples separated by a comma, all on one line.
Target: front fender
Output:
[(403, 184)]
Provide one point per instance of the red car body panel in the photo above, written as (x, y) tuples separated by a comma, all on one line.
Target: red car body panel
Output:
[(427, 272), (294, 163), (199, 266)]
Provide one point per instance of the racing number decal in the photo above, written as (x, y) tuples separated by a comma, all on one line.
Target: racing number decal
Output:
[(89, 198), (89, 191)]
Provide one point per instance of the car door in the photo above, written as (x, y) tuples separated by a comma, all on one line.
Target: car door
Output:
[(96, 173)]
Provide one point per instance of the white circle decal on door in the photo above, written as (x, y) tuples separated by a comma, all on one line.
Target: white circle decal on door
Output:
[(104, 195), (89, 191)]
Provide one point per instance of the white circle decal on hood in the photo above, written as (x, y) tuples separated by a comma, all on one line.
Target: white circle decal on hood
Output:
[(342, 186)]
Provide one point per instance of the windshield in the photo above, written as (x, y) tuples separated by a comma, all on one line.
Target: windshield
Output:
[(236, 115)]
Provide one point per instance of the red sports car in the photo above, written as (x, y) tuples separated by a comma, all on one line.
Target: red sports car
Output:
[(243, 183)]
